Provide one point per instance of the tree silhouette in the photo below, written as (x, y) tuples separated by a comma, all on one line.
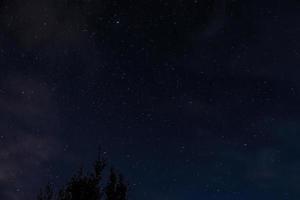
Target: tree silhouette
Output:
[(84, 186), (116, 188), (47, 194), (110, 189), (122, 188)]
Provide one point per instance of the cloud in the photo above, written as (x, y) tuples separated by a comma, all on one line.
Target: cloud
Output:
[(41, 22), (28, 134)]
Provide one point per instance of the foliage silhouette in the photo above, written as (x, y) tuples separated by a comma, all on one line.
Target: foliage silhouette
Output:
[(89, 186), (47, 194), (116, 188)]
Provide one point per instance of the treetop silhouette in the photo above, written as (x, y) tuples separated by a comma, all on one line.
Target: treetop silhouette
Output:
[(89, 186)]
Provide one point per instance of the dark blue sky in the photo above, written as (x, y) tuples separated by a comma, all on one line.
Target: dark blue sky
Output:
[(190, 99)]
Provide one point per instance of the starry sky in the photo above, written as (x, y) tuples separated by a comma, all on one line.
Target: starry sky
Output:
[(191, 99)]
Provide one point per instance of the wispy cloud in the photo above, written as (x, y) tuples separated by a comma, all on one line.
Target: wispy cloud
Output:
[(29, 121)]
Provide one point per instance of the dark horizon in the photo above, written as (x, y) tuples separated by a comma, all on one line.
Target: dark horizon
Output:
[(194, 99)]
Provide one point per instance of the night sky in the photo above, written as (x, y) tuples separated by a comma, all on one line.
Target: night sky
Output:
[(190, 99)]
